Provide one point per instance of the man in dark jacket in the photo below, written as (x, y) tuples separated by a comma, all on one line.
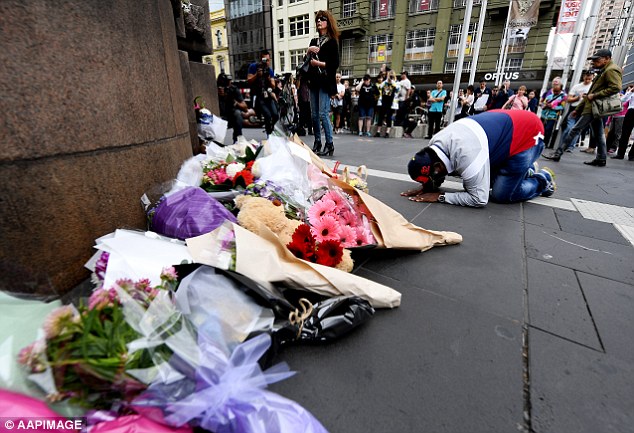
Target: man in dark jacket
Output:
[(608, 81)]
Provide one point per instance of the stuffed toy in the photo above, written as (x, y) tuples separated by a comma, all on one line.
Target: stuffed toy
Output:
[(258, 210)]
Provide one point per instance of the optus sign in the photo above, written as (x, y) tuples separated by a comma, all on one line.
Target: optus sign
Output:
[(489, 76)]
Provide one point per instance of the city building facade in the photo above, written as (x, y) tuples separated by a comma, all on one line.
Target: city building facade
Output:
[(220, 57), (249, 31), (423, 38), (294, 27)]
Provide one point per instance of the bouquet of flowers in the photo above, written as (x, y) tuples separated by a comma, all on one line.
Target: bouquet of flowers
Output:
[(86, 349), (233, 172), (337, 216)]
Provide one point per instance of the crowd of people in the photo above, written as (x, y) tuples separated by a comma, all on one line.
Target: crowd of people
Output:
[(328, 104)]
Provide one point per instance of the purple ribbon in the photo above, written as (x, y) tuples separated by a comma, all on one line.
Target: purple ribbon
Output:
[(230, 395)]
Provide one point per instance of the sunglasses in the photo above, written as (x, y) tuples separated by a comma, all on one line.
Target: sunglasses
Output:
[(322, 19)]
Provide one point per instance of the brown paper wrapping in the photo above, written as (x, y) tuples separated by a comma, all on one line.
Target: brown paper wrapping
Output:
[(392, 230), (263, 258)]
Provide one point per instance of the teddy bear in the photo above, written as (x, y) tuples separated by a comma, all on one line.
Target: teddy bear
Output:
[(258, 210)]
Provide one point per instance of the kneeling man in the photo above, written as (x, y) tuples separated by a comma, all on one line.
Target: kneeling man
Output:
[(494, 153)]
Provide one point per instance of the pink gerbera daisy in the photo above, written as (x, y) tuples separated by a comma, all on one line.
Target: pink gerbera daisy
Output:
[(320, 209), (326, 228), (362, 238), (348, 218), (348, 236), (334, 196)]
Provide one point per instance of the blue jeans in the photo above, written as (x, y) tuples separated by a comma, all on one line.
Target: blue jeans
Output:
[(596, 126), (320, 110), (512, 182)]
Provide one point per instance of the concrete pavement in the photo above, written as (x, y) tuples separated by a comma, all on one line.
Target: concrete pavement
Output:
[(525, 326)]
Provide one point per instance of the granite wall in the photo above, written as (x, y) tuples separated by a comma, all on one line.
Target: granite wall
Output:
[(93, 114)]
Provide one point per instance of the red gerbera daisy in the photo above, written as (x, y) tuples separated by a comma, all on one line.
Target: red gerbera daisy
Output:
[(300, 250), (302, 234), (329, 253), (243, 178)]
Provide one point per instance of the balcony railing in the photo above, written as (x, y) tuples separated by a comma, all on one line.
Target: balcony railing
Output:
[(358, 25)]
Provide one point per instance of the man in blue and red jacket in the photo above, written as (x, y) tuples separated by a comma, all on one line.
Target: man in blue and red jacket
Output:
[(494, 153)]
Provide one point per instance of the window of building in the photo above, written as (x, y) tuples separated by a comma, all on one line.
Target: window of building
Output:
[(282, 61), (280, 3), (346, 73), (462, 3), (299, 25), (382, 9), (380, 49), (280, 28), (297, 58), (346, 51), (514, 64), (218, 38), (221, 63), (420, 6), (349, 8), (450, 67), (455, 33), (516, 45), (374, 71), (419, 44), (418, 69), (241, 8)]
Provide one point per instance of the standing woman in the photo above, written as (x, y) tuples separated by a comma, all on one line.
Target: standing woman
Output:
[(324, 53)]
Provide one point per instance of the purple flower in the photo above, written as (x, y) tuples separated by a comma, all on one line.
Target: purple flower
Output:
[(101, 265)]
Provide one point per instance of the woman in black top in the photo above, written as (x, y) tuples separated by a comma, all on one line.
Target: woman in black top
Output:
[(324, 53)]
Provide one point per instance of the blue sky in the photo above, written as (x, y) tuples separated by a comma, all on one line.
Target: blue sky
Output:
[(215, 5)]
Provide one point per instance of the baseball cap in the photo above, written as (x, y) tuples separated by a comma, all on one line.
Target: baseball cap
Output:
[(420, 167), (600, 53)]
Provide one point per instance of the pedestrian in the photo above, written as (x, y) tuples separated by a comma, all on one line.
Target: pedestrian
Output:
[(466, 102), (502, 96), (388, 91), (324, 53), (261, 79), (552, 103), (347, 102), (482, 95), (517, 101), (305, 117), (235, 108), (607, 82), (437, 98), (576, 94), (494, 153), (405, 92), (354, 111), (533, 102), (337, 104), (628, 125), (368, 93)]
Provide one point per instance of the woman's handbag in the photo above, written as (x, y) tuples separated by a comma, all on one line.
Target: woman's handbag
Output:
[(607, 106)]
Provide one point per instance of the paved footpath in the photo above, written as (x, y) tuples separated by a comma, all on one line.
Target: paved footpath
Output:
[(528, 325)]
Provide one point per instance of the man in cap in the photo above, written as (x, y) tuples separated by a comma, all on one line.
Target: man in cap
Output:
[(495, 155), (608, 81)]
